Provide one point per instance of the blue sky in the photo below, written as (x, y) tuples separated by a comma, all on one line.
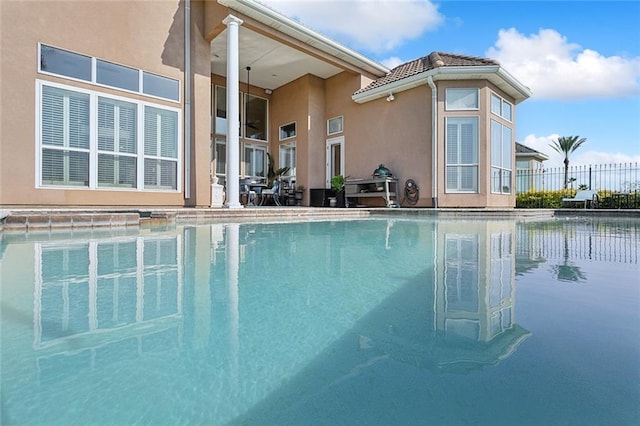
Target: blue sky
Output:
[(581, 59)]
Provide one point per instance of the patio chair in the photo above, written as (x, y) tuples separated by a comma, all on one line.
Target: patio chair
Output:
[(245, 190), (585, 197), (273, 193)]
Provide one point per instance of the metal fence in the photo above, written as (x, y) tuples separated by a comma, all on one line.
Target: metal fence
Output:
[(618, 185), (623, 177)]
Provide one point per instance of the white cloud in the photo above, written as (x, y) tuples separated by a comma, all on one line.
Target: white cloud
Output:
[(552, 67), (375, 25), (580, 157), (392, 62)]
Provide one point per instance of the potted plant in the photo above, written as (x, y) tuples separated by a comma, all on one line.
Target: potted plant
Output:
[(299, 192), (337, 185), (274, 174)]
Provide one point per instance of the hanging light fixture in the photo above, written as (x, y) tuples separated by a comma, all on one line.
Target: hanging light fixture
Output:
[(247, 110)]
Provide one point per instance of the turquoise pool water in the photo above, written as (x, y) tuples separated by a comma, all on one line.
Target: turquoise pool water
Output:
[(381, 321)]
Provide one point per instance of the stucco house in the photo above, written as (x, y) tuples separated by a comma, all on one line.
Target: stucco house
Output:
[(529, 168), (126, 104)]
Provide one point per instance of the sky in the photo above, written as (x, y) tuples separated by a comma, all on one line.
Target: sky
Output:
[(581, 59)]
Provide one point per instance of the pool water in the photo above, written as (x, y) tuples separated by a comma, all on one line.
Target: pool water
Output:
[(378, 321)]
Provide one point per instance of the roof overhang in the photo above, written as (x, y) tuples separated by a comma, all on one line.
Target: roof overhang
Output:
[(281, 23), (532, 155), (493, 73)]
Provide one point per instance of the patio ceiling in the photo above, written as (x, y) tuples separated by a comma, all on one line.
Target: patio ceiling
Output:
[(272, 63)]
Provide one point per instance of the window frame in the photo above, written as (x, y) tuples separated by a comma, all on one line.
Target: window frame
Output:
[(254, 147), (501, 111), (247, 98), (338, 118), (451, 107), (505, 168), (460, 165), (94, 151), (280, 131), (282, 158), (94, 74)]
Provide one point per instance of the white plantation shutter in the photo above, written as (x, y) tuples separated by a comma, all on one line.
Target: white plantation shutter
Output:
[(90, 139), (160, 148), (64, 137), (462, 154), (117, 142)]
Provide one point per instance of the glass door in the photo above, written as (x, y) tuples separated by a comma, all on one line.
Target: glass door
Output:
[(335, 159)]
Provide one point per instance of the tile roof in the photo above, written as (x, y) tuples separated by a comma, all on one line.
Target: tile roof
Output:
[(426, 63), (521, 149)]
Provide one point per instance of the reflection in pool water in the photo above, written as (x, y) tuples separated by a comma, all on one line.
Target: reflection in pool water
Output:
[(366, 321)]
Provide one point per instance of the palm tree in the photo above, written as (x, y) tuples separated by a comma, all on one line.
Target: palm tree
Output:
[(566, 145)]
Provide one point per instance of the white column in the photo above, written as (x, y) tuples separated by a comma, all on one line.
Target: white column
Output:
[(233, 114)]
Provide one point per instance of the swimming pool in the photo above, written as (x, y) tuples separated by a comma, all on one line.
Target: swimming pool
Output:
[(377, 321)]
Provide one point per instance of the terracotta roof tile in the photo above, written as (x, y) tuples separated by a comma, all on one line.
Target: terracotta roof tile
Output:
[(426, 63)]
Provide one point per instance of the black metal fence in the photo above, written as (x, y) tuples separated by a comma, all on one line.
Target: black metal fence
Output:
[(617, 185)]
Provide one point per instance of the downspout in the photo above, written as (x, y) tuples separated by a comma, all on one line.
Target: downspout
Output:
[(187, 99), (434, 141)]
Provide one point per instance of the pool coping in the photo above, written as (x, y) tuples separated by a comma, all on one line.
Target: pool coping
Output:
[(43, 219)]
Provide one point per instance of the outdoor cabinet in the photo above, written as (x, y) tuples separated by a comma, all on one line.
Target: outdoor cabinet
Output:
[(319, 197)]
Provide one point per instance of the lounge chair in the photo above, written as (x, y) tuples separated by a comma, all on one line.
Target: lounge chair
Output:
[(586, 197)]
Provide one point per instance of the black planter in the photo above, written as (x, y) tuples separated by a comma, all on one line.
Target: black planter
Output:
[(341, 200)]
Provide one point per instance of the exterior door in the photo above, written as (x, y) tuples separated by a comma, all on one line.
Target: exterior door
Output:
[(335, 158)]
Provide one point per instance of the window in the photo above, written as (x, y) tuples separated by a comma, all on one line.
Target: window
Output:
[(117, 76), (500, 107), (500, 158), (256, 118), (160, 148), (461, 99), (221, 110), (64, 137), (462, 154), (97, 71), (117, 143), (162, 87), (288, 159), (288, 131), (221, 160), (335, 125), (64, 63), (87, 139), (255, 161)]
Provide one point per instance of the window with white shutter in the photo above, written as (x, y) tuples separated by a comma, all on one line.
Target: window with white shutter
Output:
[(94, 140), (160, 148), (117, 143), (65, 137), (462, 154)]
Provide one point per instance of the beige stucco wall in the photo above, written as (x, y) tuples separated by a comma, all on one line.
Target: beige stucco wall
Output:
[(145, 35)]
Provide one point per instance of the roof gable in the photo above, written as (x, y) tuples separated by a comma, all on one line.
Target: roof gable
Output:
[(426, 63), (442, 66)]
